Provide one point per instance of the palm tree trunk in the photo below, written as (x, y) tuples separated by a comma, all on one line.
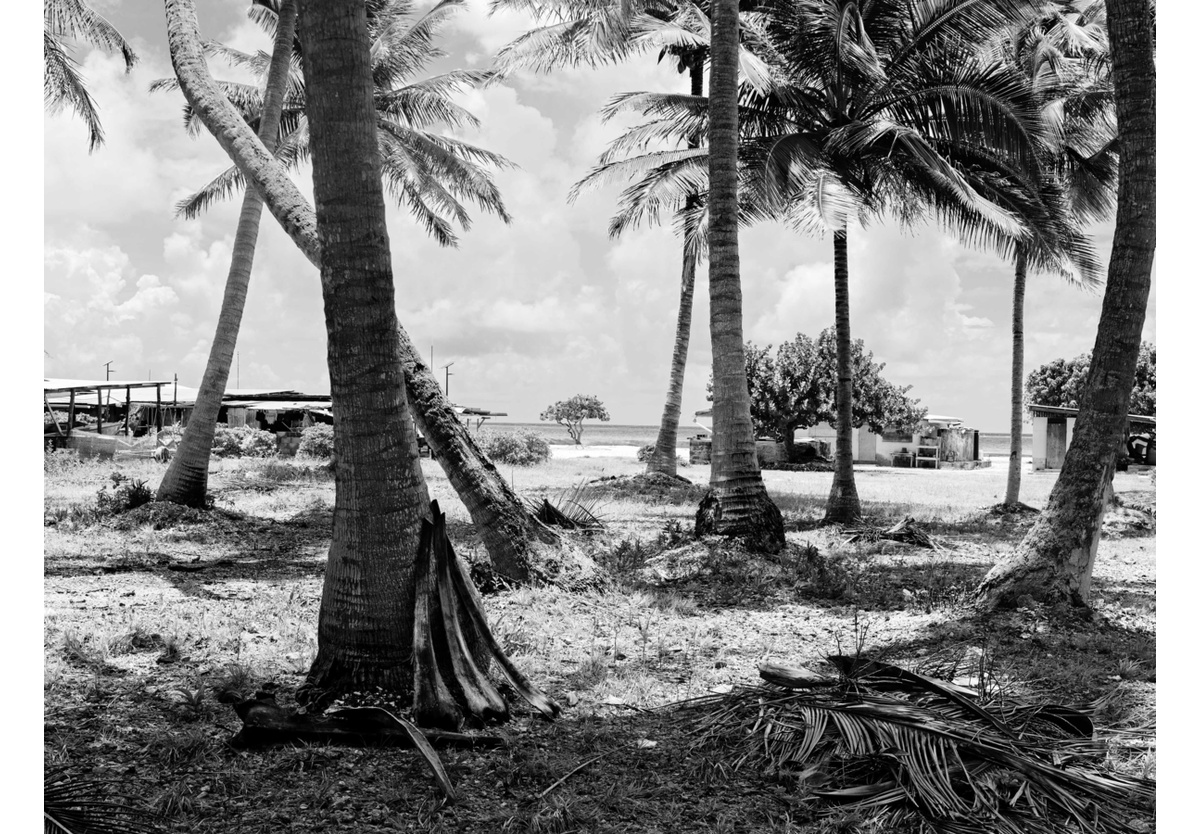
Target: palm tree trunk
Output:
[(518, 544), (738, 504), (843, 506), (186, 478), (365, 626), (664, 458), (1012, 494), (1055, 560), (289, 207)]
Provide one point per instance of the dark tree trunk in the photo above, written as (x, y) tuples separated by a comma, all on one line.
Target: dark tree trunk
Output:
[(1012, 494), (843, 506), (664, 457), (365, 627), (1055, 560), (738, 504), (186, 478)]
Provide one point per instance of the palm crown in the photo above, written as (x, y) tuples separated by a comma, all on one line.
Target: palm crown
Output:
[(430, 173)]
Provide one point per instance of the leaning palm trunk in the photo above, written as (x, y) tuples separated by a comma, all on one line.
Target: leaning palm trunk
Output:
[(480, 487), (1054, 562), (516, 541), (738, 504), (843, 506), (663, 459), (1012, 495), (186, 479)]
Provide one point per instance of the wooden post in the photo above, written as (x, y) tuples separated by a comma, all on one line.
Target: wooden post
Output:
[(71, 414), (158, 421), (50, 411), (99, 412), (127, 411)]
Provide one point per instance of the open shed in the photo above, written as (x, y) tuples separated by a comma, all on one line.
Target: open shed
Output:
[(1054, 426)]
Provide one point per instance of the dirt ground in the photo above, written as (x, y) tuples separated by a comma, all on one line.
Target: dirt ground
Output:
[(151, 613)]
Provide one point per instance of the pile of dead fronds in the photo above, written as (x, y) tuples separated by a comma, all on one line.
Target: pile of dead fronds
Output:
[(74, 803), (577, 508), (903, 747), (906, 531)]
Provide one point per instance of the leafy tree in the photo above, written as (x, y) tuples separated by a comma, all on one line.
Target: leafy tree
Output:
[(797, 387), (1054, 561), (1061, 382), (62, 85), (571, 413)]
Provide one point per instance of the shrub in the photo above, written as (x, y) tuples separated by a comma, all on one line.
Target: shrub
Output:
[(243, 441), (517, 449), (646, 452), (256, 443), (317, 441), (126, 495)]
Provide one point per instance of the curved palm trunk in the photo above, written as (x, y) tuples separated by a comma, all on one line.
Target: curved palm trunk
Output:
[(482, 489), (365, 627), (1054, 562), (843, 506), (664, 458), (738, 504), (186, 478), (1012, 494)]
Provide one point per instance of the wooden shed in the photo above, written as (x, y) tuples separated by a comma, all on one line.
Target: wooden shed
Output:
[(1053, 427)]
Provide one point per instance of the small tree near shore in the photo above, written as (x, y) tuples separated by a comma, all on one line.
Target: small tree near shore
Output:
[(571, 413)]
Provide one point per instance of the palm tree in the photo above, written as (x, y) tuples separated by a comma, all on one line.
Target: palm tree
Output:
[(595, 32), (883, 99), (186, 479), (428, 173), (738, 503), (1057, 47), (1054, 562), (62, 85)]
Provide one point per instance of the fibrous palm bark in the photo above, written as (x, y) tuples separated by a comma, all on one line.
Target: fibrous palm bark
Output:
[(738, 504), (186, 479), (843, 505), (1054, 562)]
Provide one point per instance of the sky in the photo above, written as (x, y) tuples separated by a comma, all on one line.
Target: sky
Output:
[(528, 313)]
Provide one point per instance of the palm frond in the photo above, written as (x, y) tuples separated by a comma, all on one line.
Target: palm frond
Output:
[(74, 804), (62, 86), (75, 20)]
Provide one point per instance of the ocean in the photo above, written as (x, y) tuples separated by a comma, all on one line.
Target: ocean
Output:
[(991, 444)]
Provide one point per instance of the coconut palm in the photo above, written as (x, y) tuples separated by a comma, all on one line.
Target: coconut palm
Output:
[(1054, 561), (62, 84), (428, 173), (885, 100), (1058, 47)]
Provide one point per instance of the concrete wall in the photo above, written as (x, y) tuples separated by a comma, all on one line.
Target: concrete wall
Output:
[(1040, 422)]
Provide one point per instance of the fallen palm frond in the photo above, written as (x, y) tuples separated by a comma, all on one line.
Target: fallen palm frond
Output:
[(907, 531), (74, 805), (886, 741), (572, 509)]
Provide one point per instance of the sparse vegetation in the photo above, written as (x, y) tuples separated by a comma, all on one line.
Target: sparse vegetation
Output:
[(514, 449)]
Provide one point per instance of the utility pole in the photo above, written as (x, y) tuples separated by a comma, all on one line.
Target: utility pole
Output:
[(446, 368), (108, 370)]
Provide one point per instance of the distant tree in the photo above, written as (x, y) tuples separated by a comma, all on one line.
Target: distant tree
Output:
[(571, 413), (62, 84), (1061, 382), (797, 388)]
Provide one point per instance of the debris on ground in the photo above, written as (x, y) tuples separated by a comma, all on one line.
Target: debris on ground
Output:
[(906, 531)]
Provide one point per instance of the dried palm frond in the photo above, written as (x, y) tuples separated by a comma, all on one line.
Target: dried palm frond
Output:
[(906, 530), (75, 805), (887, 741), (572, 509)]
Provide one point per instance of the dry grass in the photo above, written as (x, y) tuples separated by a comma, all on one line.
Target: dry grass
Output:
[(135, 654)]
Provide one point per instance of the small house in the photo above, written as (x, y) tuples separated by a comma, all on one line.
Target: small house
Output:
[(1054, 426)]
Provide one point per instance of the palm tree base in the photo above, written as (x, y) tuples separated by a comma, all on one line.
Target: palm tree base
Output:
[(843, 506), (752, 517)]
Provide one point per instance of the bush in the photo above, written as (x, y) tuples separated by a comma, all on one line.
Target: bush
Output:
[(518, 449), (126, 495), (256, 443), (317, 441), (646, 452), (243, 441)]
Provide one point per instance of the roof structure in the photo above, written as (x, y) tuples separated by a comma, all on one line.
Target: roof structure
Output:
[(1072, 412), (66, 386)]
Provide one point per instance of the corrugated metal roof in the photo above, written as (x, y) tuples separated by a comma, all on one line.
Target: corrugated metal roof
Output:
[(69, 385), (1071, 412)]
